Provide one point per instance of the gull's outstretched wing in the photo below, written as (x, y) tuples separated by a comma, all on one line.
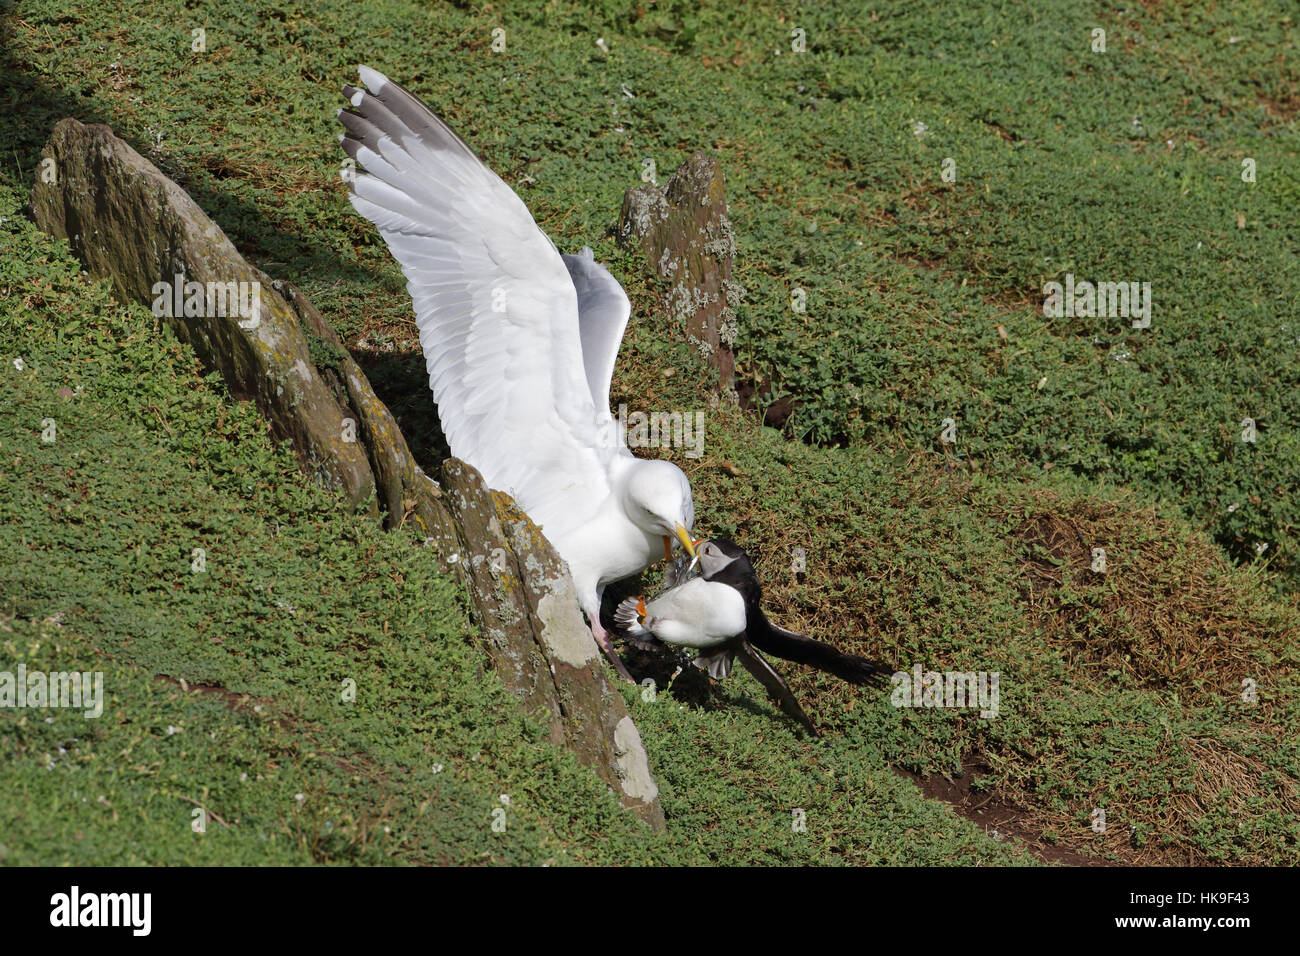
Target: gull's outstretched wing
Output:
[(496, 307), (603, 311)]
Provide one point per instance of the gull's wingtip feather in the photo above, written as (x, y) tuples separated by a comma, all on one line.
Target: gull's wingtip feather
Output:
[(373, 79)]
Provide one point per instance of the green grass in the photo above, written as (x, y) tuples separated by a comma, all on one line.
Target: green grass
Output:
[(1119, 691)]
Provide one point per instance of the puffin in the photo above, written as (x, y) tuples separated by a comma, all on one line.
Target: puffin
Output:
[(719, 613)]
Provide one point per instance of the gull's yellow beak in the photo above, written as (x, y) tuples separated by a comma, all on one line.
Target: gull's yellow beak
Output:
[(684, 537)]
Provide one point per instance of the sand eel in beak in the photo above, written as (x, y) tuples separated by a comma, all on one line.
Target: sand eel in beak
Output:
[(719, 613), (519, 342)]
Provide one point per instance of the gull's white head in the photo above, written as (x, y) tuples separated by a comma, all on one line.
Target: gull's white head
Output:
[(657, 497)]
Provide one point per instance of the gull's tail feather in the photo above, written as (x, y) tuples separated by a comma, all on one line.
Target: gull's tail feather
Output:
[(793, 646)]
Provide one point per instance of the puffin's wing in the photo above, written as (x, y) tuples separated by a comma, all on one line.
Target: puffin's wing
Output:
[(496, 308), (603, 311), (802, 649), (775, 684)]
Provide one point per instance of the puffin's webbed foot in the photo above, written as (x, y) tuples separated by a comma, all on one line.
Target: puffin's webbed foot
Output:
[(630, 616)]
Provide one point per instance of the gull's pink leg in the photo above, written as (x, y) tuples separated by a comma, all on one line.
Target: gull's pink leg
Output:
[(602, 638)]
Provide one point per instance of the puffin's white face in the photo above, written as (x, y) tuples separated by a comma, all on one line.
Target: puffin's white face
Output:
[(712, 558), (658, 500)]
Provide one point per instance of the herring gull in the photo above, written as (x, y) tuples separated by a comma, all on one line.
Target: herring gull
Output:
[(519, 342)]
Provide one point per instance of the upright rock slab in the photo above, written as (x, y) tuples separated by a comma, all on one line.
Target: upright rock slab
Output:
[(685, 235), (406, 494), (538, 640), (130, 224)]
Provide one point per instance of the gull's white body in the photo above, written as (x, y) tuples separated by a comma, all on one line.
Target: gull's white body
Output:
[(607, 546), (519, 342)]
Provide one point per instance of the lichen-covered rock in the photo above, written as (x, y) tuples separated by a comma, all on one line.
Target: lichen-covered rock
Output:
[(495, 582), (553, 663), (685, 234), (129, 223)]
